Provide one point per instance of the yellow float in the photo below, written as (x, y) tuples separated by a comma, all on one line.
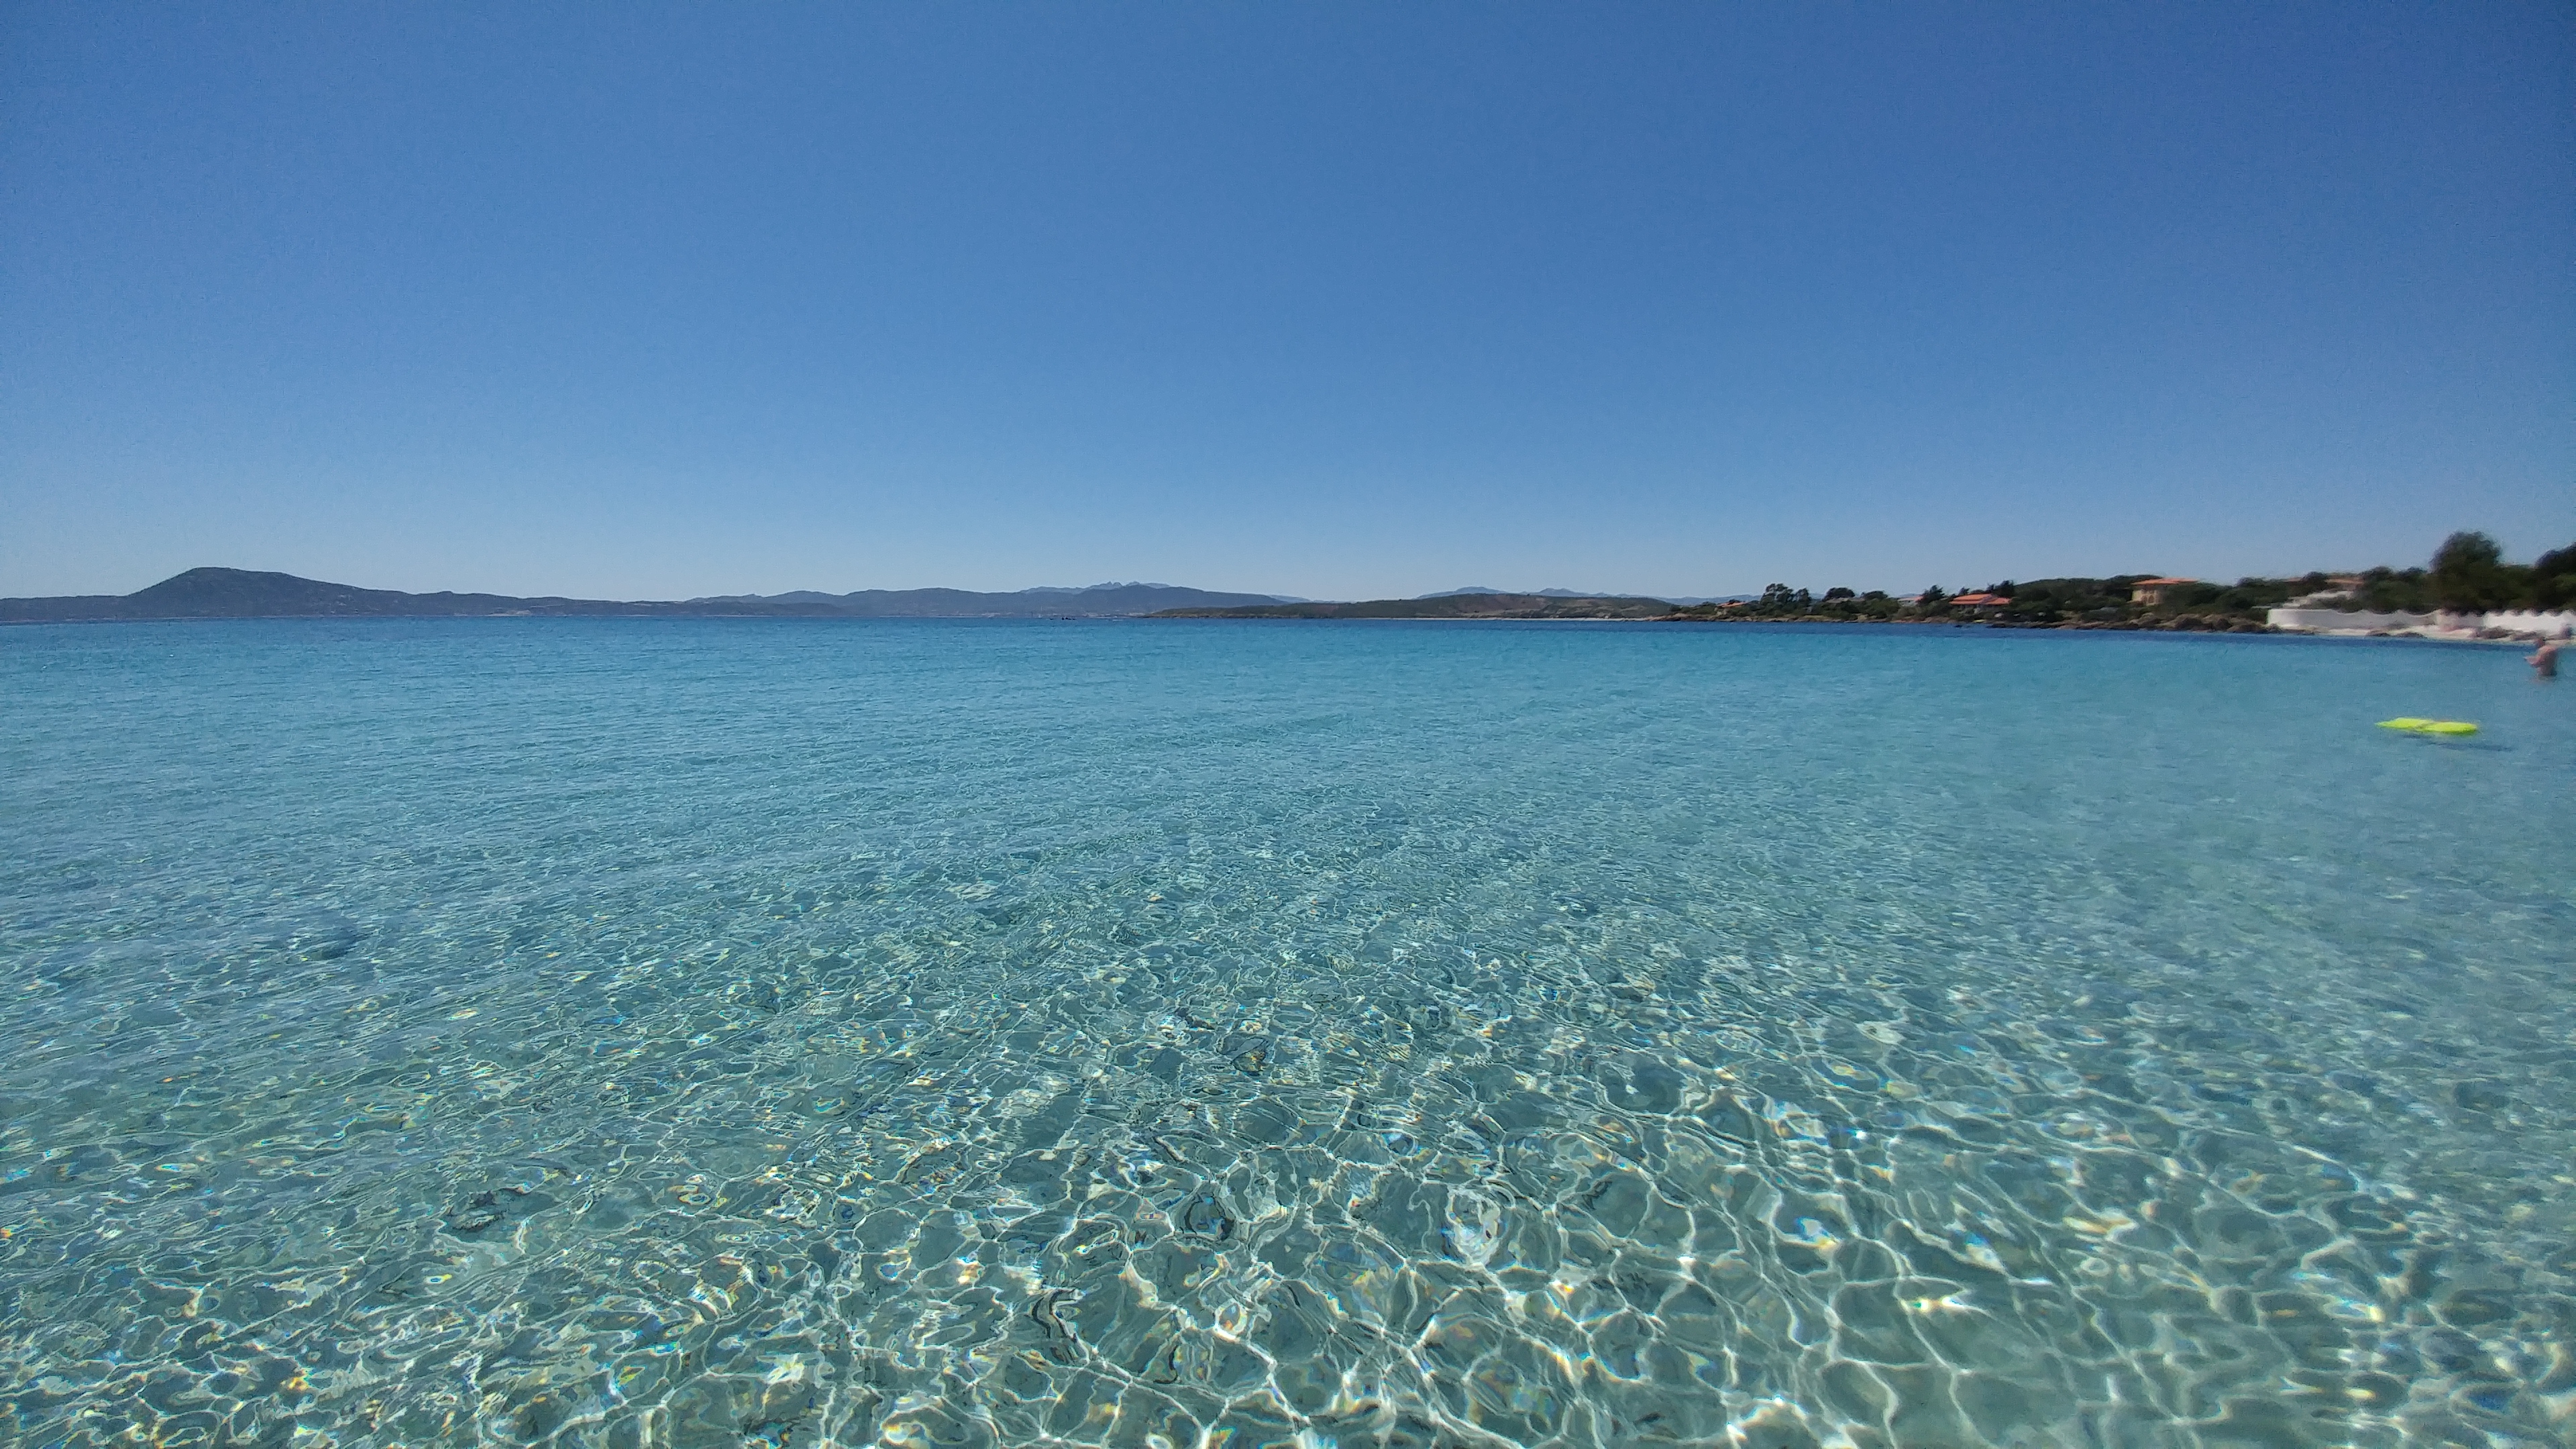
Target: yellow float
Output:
[(2413, 725)]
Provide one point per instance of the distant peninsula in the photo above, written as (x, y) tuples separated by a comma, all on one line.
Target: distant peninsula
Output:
[(1472, 604), (219, 593)]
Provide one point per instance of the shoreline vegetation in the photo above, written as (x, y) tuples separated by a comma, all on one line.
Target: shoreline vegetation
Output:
[(2467, 576)]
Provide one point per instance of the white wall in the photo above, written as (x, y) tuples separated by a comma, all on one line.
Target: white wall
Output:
[(2558, 624), (2311, 620)]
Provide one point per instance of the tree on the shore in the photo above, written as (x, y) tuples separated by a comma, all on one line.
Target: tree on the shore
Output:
[(2470, 576), (1782, 599), (2553, 579)]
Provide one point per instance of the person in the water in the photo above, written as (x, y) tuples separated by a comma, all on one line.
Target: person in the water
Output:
[(2544, 660)]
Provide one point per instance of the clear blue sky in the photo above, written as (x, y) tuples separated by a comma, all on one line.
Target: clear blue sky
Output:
[(1342, 301)]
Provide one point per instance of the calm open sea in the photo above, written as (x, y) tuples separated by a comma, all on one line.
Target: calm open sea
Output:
[(752, 1032)]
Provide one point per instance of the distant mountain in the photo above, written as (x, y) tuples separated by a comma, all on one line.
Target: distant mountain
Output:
[(798, 596), (1533, 593), (1579, 594), (1449, 606), (1093, 602), (213, 593)]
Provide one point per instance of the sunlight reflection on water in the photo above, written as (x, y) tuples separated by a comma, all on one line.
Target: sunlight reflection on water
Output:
[(746, 1032)]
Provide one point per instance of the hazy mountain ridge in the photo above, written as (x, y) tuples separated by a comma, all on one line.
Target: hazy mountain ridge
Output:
[(222, 593), (1449, 606), (1532, 593), (1573, 594), (1111, 600)]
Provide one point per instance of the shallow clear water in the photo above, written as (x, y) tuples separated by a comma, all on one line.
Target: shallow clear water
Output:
[(788, 1032)]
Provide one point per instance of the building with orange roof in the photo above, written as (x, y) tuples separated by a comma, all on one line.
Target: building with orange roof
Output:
[(2151, 592)]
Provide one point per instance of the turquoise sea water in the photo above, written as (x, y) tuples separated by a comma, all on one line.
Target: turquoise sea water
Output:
[(739, 1032)]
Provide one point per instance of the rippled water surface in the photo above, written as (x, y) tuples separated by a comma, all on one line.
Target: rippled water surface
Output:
[(767, 1033)]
